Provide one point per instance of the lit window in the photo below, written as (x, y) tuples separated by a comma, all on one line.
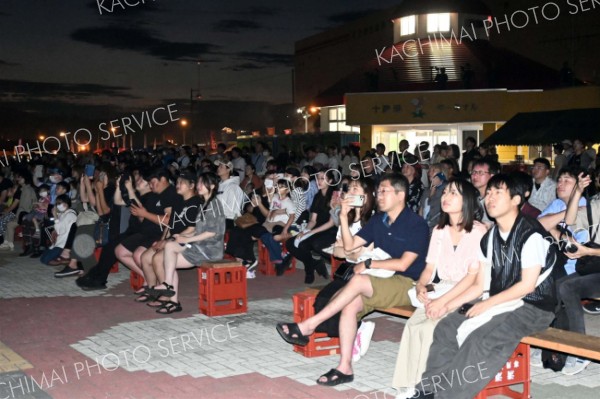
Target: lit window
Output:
[(333, 127), (438, 22), (407, 25), (333, 114)]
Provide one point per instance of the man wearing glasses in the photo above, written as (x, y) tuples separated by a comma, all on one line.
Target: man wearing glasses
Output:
[(400, 233), (482, 172)]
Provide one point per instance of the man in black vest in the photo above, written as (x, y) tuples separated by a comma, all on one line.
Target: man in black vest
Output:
[(471, 345)]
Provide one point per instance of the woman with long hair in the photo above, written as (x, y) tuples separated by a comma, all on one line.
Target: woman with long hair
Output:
[(190, 250), (452, 255)]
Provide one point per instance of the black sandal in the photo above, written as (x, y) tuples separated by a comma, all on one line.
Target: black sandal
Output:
[(145, 298), (335, 377), (294, 335), (169, 307), (160, 304), (168, 292), (143, 290)]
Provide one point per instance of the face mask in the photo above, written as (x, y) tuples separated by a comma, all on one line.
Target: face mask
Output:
[(61, 207), (53, 179), (43, 194)]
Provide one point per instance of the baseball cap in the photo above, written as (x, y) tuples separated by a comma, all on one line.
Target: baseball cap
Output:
[(175, 165), (567, 142)]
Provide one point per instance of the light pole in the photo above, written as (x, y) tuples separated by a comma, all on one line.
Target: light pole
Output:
[(305, 114)]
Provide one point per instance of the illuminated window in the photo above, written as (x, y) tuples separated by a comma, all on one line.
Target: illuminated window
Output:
[(407, 25), (438, 22)]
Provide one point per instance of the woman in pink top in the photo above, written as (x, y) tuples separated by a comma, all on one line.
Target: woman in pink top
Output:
[(452, 255)]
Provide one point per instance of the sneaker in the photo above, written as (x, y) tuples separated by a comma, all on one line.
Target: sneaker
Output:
[(405, 393), (591, 308), (536, 357), (574, 365), (362, 340), (67, 271), (7, 246), (250, 265), (250, 274)]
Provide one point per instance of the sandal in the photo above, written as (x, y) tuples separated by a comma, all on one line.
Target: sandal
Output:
[(294, 335), (157, 303), (169, 307), (145, 298), (142, 291), (168, 292), (335, 377)]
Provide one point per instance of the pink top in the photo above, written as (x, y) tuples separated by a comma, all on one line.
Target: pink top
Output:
[(453, 265)]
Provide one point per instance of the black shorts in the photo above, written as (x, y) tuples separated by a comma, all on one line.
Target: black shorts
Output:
[(133, 241)]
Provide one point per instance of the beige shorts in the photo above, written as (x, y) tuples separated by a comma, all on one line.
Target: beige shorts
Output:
[(387, 293)]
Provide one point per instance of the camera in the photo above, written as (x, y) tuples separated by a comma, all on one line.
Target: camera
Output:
[(565, 245), (124, 192)]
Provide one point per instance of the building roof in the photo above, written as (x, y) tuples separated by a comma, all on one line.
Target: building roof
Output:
[(533, 128), (416, 7), (413, 63)]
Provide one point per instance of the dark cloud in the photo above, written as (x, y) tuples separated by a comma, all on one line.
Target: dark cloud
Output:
[(267, 58), (142, 41), (7, 63), (235, 25), (349, 16), (246, 66), (257, 11), (20, 89)]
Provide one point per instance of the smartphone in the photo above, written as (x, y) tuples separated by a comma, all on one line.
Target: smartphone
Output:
[(89, 170), (465, 308), (268, 183), (134, 202), (357, 200)]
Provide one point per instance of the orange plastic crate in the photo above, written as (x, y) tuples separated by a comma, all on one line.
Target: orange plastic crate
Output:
[(319, 344), (515, 371), (114, 268), (136, 281), (222, 288), (266, 267)]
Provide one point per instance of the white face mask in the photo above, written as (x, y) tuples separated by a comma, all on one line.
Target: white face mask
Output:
[(53, 179), (61, 207), (43, 194)]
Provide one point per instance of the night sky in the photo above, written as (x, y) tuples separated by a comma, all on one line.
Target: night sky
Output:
[(62, 57)]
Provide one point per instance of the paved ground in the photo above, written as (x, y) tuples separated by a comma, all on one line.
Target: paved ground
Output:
[(57, 341)]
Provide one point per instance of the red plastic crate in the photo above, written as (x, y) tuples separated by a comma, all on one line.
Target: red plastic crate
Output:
[(114, 268), (515, 371), (222, 288), (266, 267), (319, 344), (136, 281), (335, 263)]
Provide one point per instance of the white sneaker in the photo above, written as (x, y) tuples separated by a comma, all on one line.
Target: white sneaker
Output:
[(536, 357), (574, 365), (7, 246), (250, 274), (405, 393), (362, 340), (252, 265)]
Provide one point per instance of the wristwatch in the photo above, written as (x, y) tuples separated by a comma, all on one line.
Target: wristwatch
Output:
[(368, 263)]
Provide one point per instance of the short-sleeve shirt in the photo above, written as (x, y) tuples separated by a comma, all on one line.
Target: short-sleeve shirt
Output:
[(157, 204), (184, 215), (409, 232), (211, 218)]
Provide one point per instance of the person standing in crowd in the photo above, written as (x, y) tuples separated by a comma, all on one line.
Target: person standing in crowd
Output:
[(560, 160), (230, 194), (259, 160), (468, 155), (382, 160), (431, 205), (412, 171), (520, 303), (347, 158), (26, 203), (568, 149), (333, 161), (544, 188), (483, 170), (403, 236)]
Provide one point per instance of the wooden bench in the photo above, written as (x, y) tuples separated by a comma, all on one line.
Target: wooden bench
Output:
[(580, 345)]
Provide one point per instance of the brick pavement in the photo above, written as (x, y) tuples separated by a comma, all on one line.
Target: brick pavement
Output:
[(52, 324)]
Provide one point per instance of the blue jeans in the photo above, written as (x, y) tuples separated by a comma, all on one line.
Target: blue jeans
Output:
[(50, 254), (273, 247)]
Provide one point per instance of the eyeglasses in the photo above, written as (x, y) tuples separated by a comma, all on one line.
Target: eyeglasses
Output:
[(479, 172), (383, 191)]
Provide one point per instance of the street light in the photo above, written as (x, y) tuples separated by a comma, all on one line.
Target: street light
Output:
[(302, 111), (183, 124)]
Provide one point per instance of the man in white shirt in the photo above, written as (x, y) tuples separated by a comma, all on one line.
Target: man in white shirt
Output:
[(544, 188)]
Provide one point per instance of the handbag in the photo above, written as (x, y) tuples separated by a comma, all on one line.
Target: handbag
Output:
[(246, 220), (101, 231), (589, 264)]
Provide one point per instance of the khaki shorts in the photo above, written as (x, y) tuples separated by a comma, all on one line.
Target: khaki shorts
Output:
[(387, 293)]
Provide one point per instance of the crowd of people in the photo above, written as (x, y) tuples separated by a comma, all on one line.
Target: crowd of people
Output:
[(438, 229)]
